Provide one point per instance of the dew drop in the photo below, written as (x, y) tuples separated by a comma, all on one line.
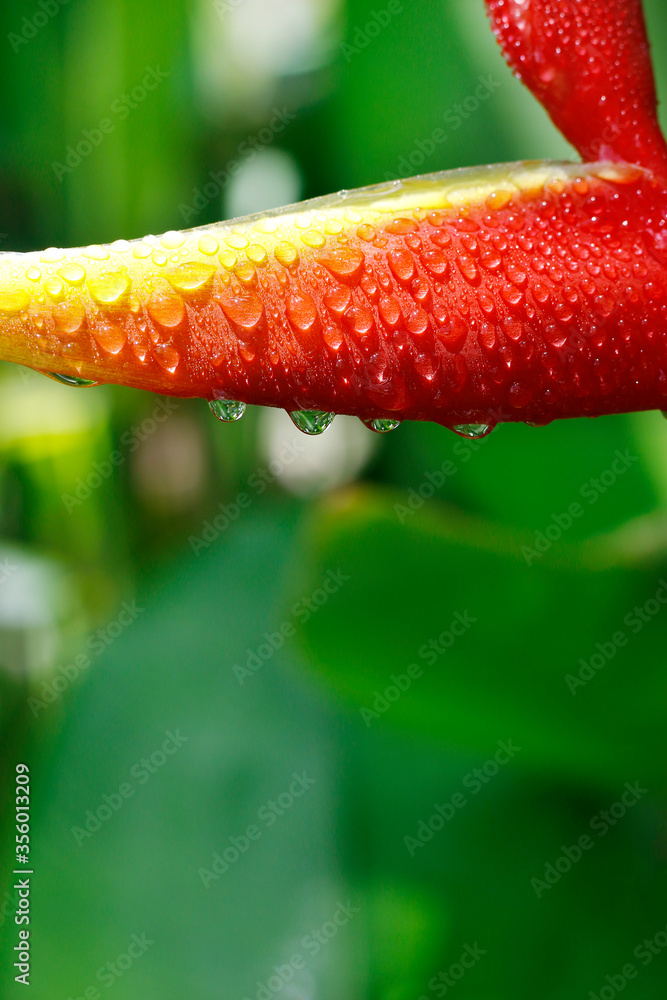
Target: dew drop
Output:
[(256, 253), (381, 425), (390, 311), (208, 244), (109, 287), (302, 312), (110, 336), (286, 254), (227, 410), (72, 272), (69, 316), (52, 255), (77, 383), (95, 252), (172, 240), (338, 299), (473, 430), (345, 263), (191, 277), (141, 251), (312, 422), (401, 264), (33, 274), (166, 309), (236, 241)]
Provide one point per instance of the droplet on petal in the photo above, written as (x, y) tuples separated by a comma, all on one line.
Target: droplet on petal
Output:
[(227, 410), (473, 430), (109, 287), (381, 425), (345, 263), (77, 383), (191, 277), (312, 422), (166, 308)]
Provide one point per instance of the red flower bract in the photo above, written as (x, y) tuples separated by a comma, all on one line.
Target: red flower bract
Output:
[(521, 292)]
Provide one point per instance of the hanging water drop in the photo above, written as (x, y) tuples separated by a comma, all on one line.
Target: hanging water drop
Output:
[(382, 426), (77, 383), (312, 422), (472, 430), (227, 410)]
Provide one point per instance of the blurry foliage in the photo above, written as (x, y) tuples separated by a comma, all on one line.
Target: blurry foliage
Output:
[(357, 115)]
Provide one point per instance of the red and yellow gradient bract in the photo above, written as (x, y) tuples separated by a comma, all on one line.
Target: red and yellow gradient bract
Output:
[(519, 292)]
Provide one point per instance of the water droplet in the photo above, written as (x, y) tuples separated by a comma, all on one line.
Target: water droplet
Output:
[(366, 233), (236, 241), (246, 272), (208, 244), (381, 425), (345, 263), (468, 269), (256, 253), (473, 430), (54, 287), (401, 226), (338, 299), (52, 255), (286, 254), (402, 265), (166, 309), (312, 422), (245, 310), (95, 252), (77, 383), (302, 312), (33, 274), (109, 287), (69, 316), (141, 250), (172, 240), (390, 311), (159, 258), (435, 261), (228, 259), (191, 277), (227, 410), (110, 336), (72, 272)]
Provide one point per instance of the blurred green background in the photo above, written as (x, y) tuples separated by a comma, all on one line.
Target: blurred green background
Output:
[(283, 606)]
